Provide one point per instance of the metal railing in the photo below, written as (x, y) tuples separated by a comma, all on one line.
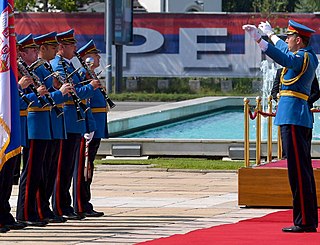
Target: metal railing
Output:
[(257, 116)]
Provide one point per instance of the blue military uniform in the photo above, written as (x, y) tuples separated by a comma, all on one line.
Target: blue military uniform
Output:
[(57, 127), (39, 135), (97, 122), (75, 129), (24, 130), (295, 120)]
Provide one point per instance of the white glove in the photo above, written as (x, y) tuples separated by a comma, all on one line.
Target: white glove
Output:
[(88, 136), (253, 31), (266, 28)]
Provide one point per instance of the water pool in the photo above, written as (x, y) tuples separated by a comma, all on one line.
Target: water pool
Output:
[(217, 125)]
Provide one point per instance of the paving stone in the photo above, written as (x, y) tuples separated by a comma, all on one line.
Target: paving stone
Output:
[(142, 205)]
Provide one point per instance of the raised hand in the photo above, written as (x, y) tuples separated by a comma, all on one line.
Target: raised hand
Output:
[(266, 28), (253, 31)]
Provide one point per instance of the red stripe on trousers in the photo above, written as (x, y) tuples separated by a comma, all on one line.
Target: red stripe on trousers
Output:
[(79, 175), (296, 153), (39, 205), (58, 179), (29, 171)]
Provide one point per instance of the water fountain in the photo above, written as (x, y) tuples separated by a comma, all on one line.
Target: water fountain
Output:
[(268, 75), (268, 70)]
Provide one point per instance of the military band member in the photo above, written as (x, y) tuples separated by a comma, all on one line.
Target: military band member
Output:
[(97, 129), (39, 134), (75, 127), (294, 116), (48, 47)]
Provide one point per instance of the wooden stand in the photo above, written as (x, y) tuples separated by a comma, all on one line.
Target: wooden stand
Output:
[(267, 187)]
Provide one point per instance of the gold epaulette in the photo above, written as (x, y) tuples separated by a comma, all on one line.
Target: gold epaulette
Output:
[(294, 94)]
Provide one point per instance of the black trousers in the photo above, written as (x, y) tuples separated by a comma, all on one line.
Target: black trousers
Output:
[(17, 168), (16, 171), (61, 198), (6, 182), (82, 187), (48, 177), (30, 181), (297, 145)]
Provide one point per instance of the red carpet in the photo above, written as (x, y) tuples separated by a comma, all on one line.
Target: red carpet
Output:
[(264, 230), (283, 164)]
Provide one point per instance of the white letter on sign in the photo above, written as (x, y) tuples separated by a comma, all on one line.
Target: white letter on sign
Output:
[(189, 48), (154, 40)]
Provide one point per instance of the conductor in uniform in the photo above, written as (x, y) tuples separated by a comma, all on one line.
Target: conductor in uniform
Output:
[(294, 116)]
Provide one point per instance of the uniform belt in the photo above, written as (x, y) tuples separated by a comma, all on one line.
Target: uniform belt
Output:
[(70, 102), (23, 113), (99, 109), (37, 109), (294, 94)]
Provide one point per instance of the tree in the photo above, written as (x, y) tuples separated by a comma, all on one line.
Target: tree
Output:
[(51, 5), (269, 6), (291, 5), (24, 5), (262, 6), (308, 6), (236, 6)]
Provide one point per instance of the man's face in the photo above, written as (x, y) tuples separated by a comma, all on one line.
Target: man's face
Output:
[(68, 50), (29, 55), (50, 51), (292, 41)]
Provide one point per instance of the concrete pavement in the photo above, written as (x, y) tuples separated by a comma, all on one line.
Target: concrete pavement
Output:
[(142, 204)]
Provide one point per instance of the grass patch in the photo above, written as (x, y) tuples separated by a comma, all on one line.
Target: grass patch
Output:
[(179, 163)]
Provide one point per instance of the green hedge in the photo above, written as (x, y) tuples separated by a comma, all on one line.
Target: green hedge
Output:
[(147, 89)]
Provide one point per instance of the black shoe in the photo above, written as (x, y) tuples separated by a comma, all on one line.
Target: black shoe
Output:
[(33, 223), (300, 229), (15, 226), (4, 229), (55, 219), (72, 216), (94, 213), (82, 215)]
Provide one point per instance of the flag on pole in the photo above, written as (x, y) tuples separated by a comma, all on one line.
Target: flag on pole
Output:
[(9, 99)]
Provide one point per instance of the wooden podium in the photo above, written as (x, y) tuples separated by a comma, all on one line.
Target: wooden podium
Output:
[(268, 185)]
